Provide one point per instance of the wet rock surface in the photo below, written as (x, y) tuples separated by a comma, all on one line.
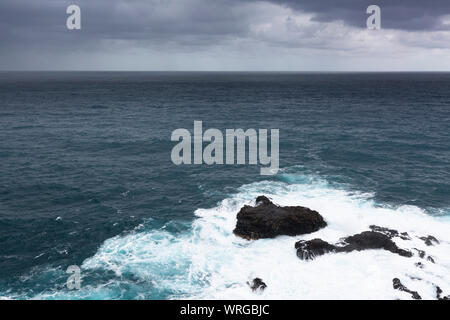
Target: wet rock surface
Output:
[(429, 240), (390, 232), (267, 220), (439, 294), (420, 253), (397, 284), (257, 284), (309, 249)]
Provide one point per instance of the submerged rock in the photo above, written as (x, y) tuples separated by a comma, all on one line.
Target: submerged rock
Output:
[(267, 220), (397, 284), (309, 249), (257, 284), (439, 294), (421, 253), (429, 240)]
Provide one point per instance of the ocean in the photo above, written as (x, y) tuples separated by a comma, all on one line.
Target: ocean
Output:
[(86, 179)]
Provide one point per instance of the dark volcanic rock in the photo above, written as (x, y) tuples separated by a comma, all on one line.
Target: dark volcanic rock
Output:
[(399, 286), (307, 250), (390, 232), (373, 240), (257, 284), (439, 294), (421, 253), (267, 220), (429, 240), (262, 200)]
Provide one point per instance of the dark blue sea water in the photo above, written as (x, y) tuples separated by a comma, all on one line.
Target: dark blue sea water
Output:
[(85, 158)]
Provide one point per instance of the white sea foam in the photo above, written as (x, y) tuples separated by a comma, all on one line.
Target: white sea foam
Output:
[(210, 262)]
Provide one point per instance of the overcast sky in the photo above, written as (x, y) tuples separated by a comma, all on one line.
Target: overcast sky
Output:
[(285, 35)]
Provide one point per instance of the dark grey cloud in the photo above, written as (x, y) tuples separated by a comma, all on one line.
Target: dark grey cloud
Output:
[(37, 28), (43, 21), (396, 14)]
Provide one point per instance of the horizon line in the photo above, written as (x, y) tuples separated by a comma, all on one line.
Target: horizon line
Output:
[(241, 71)]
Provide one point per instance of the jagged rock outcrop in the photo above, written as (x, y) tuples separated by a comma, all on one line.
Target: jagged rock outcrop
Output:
[(429, 240), (267, 220), (257, 284), (390, 232), (309, 249), (397, 284), (439, 294)]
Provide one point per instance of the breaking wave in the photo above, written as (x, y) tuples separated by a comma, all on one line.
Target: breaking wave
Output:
[(209, 262)]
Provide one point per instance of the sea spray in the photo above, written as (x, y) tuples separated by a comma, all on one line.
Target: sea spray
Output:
[(210, 262)]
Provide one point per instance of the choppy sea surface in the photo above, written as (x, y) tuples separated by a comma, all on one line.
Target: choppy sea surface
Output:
[(86, 179)]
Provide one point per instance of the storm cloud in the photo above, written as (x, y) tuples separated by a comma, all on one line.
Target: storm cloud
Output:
[(223, 35), (397, 14)]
